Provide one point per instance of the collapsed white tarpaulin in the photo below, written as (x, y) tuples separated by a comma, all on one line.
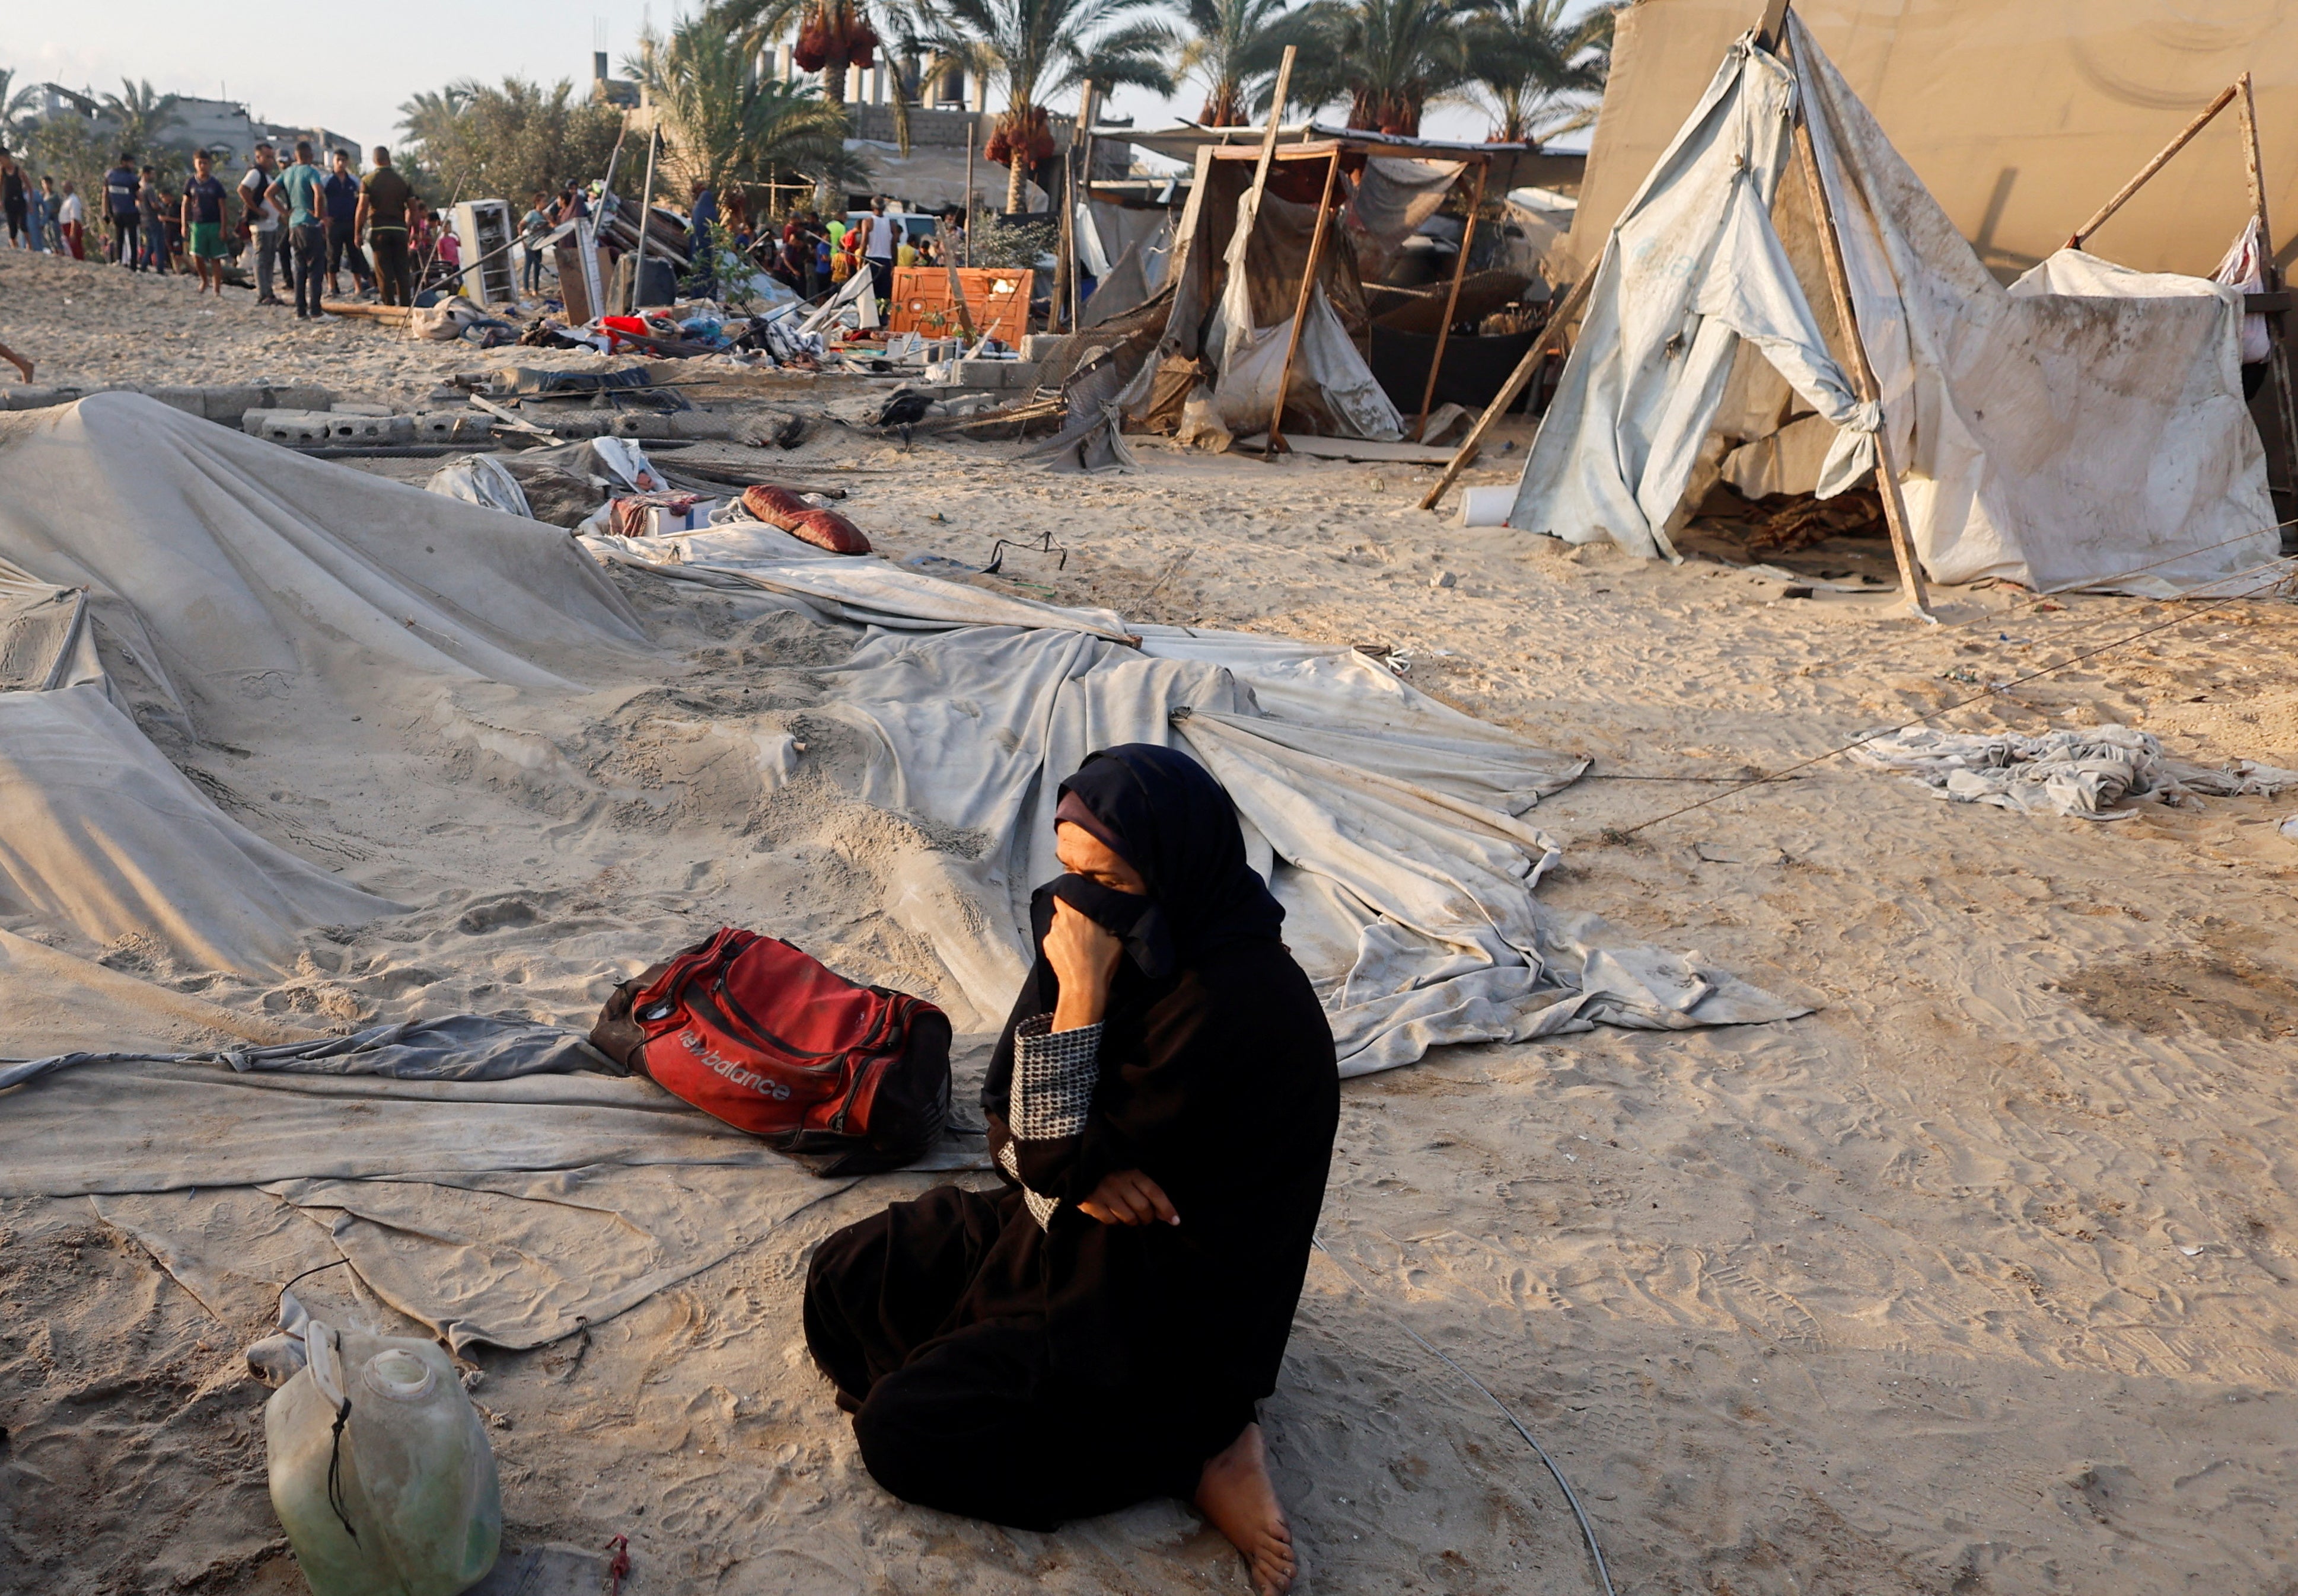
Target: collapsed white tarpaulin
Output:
[(1384, 821), (2080, 426), (347, 665)]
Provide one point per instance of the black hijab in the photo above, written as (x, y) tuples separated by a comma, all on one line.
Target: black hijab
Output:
[(1166, 817)]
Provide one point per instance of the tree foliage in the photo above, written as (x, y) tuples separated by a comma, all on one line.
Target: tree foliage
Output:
[(1387, 58), (506, 141), (1041, 49), (724, 124), (1234, 52), (1538, 73)]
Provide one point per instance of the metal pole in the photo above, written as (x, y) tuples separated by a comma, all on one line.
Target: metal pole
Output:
[(645, 219)]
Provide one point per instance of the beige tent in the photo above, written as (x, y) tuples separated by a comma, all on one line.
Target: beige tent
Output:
[(2020, 116)]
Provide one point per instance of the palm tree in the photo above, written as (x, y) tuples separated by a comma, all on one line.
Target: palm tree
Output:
[(1538, 74), (1235, 51), (1387, 58), (429, 118), (1040, 48), (141, 117), (832, 37), (723, 123), (14, 102)]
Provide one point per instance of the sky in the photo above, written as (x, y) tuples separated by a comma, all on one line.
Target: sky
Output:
[(334, 66)]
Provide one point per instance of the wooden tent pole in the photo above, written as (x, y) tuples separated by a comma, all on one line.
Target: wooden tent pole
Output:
[(1451, 299), (2225, 98), (645, 225), (1525, 370), (1276, 113), (2277, 335), (1301, 304), (1863, 373)]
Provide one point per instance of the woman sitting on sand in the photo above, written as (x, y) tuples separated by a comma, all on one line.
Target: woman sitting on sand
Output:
[(1161, 1107)]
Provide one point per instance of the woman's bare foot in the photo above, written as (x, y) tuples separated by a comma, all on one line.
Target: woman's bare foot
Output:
[(1236, 1494)]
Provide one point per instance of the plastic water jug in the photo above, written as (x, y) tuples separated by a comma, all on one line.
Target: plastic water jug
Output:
[(380, 1471)]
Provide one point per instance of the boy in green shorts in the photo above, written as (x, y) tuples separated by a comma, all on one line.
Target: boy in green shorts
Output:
[(203, 198)]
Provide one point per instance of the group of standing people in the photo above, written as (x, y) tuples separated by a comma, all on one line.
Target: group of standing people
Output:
[(295, 220)]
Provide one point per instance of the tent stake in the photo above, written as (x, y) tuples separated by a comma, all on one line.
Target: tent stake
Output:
[(1863, 374), (2225, 98), (1300, 305), (1525, 370), (2277, 349), (1452, 301)]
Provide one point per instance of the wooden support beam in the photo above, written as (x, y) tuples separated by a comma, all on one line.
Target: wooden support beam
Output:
[(2277, 321), (1775, 18), (1275, 113), (1862, 372), (2186, 136), (1300, 305), (1526, 369), (1451, 299)]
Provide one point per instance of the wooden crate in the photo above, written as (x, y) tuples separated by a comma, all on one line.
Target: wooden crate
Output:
[(998, 298)]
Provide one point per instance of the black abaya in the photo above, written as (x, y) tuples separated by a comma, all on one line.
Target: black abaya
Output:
[(1032, 1371)]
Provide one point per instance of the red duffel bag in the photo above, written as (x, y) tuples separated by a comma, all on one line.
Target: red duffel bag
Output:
[(845, 1079), (824, 529)]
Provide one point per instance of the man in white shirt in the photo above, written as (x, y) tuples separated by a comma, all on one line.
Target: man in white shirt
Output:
[(883, 232), (262, 217)]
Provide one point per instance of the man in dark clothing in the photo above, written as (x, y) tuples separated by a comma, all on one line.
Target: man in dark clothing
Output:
[(387, 213), (306, 195), (119, 186), (343, 191)]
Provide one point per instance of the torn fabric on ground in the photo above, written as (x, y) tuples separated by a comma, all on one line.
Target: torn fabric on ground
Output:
[(2087, 773)]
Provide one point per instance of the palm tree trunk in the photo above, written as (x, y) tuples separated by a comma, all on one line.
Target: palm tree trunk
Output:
[(1017, 170)]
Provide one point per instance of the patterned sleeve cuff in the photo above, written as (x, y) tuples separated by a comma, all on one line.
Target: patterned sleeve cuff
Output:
[(1055, 1073)]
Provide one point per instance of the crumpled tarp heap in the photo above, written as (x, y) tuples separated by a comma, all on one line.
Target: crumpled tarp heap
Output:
[(2091, 773)]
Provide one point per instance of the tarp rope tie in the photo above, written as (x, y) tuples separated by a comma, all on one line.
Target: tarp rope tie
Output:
[(1587, 1529), (2002, 686)]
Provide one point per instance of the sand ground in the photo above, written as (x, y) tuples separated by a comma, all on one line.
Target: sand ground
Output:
[(1977, 1279)]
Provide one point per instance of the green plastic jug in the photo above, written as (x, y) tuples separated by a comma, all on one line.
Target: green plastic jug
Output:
[(380, 1471)]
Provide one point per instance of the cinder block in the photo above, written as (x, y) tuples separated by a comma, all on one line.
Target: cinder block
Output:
[(356, 431), (229, 404), (643, 426), (1040, 346), (191, 401), (985, 374), (37, 398), (290, 427), (451, 426), (302, 397), (341, 407)]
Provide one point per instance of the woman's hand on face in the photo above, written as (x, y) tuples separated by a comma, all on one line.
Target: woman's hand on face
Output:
[(1083, 955), (1129, 1198)]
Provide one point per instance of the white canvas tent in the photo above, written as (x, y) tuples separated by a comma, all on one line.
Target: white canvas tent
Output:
[(2085, 422)]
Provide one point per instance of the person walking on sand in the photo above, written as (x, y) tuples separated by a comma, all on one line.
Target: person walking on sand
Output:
[(70, 222), (22, 366), (305, 188), (259, 220), (343, 191), (40, 215), (151, 209), (120, 185), (16, 203), (534, 229), (880, 231), (1162, 1110), (202, 221), (387, 214)]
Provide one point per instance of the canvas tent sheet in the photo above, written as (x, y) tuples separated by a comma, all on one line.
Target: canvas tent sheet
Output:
[(2020, 115), (376, 687), (1236, 290), (2048, 438)]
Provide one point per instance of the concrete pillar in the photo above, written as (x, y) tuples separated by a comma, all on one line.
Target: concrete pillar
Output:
[(785, 69), (853, 86), (877, 78)]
